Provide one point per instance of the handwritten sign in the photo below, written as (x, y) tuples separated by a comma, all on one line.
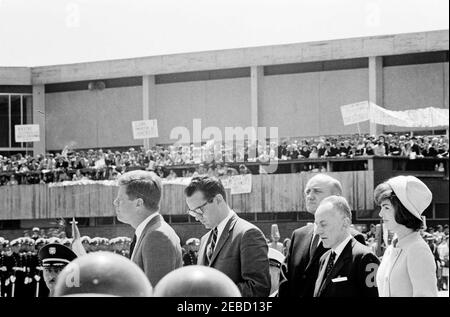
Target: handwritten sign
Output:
[(27, 133), (355, 112), (241, 184), (145, 129)]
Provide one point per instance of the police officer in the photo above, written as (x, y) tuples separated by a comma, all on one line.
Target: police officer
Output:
[(54, 258), (86, 241), (17, 277), (30, 263), (5, 266), (190, 258)]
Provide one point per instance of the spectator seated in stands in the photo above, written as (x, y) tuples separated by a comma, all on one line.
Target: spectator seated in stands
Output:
[(105, 165)]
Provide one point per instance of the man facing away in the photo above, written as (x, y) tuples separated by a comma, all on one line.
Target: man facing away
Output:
[(156, 247)]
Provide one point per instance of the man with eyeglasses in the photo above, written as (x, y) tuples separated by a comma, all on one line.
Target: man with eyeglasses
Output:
[(233, 246), (155, 247)]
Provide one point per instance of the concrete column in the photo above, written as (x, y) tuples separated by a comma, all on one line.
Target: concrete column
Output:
[(39, 117), (256, 86), (149, 104), (446, 88), (446, 91), (376, 88)]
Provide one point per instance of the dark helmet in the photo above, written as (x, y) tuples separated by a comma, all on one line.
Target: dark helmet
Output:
[(196, 281), (103, 273)]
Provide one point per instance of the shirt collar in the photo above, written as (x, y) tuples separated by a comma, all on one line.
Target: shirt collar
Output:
[(223, 223), (338, 250), (144, 223)]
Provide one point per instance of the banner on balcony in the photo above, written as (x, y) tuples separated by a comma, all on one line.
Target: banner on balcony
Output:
[(416, 118)]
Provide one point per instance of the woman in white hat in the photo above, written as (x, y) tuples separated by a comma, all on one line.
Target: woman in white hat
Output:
[(407, 268)]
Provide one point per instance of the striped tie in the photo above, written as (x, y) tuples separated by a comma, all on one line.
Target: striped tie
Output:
[(211, 246)]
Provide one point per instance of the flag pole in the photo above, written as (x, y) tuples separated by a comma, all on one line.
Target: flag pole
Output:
[(359, 130)]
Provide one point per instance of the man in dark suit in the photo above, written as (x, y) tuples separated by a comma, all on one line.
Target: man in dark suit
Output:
[(301, 266), (156, 247), (349, 268), (233, 246)]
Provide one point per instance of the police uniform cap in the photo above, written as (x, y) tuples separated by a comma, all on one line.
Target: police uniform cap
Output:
[(54, 240), (55, 254), (85, 239), (28, 241), (14, 242), (40, 240), (193, 241), (275, 255)]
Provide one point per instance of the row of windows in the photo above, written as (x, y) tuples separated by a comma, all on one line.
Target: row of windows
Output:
[(14, 110)]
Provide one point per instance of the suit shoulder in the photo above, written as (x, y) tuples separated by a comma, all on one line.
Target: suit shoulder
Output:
[(303, 231), (161, 234), (244, 225), (362, 251), (418, 248), (357, 235)]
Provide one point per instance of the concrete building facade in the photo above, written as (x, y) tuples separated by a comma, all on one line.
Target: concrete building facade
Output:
[(295, 87)]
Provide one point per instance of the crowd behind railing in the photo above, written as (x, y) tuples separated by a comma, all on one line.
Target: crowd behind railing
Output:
[(213, 159)]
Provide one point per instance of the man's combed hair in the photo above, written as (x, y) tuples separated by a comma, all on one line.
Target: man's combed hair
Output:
[(209, 186), (341, 204), (402, 215), (144, 185)]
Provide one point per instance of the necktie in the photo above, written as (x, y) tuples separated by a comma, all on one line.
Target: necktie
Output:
[(132, 245), (328, 269), (330, 265), (212, 244)]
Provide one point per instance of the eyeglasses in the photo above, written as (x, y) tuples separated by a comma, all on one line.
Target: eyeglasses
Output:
[(197, 211)]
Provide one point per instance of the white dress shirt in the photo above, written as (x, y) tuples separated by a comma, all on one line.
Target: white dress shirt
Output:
[(222, 224), (337, 250)]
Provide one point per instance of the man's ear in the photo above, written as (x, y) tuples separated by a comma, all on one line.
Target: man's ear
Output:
[(218, 199), (139, 202), (347, 222)]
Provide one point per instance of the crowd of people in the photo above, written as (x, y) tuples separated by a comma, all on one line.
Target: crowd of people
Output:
[(211, 159)]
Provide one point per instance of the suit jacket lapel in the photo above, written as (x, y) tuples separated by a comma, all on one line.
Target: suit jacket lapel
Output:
[(147, 228), (343, 258), (320, 275), (223, 237), (316, 251)]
